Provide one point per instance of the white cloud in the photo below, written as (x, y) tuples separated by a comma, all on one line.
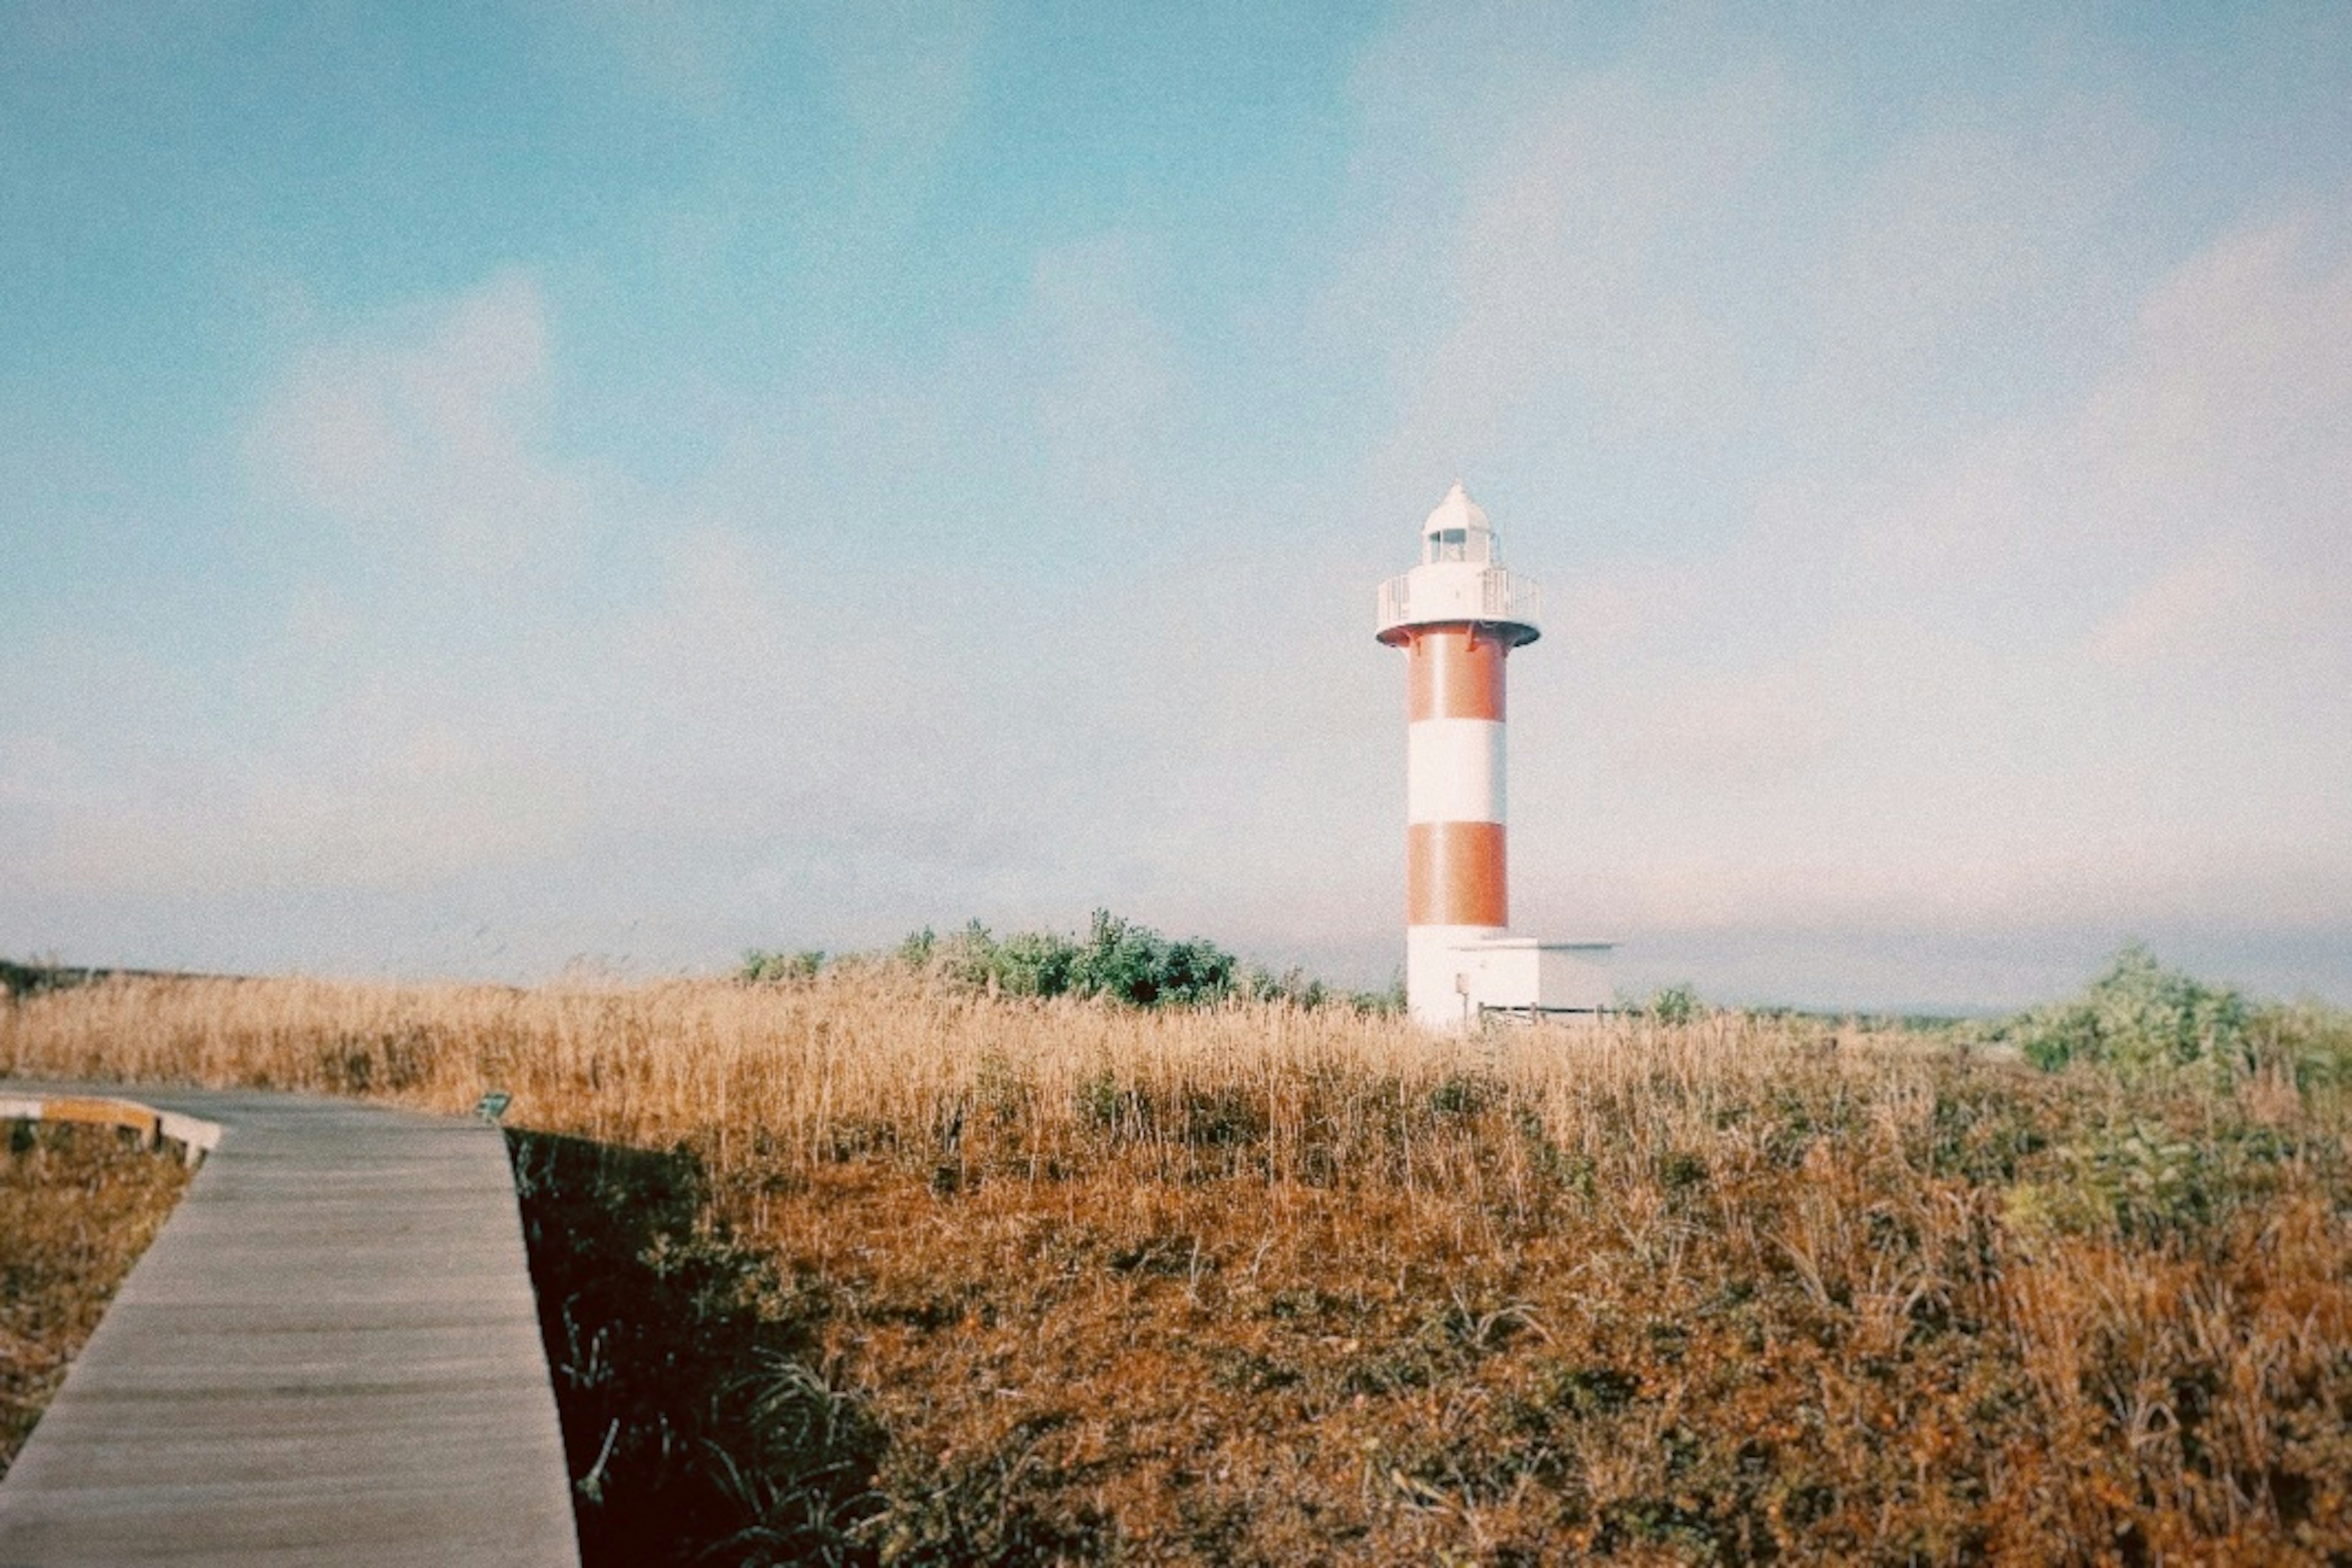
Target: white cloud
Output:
[(2188, 608), (1972, 267), (1566, 272), (762, 694), (418, 437)]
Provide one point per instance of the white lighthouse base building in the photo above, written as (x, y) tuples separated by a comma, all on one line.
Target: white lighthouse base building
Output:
[(1453, 977)]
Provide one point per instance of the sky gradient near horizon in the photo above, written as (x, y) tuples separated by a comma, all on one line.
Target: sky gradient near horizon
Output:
[(485, 486)]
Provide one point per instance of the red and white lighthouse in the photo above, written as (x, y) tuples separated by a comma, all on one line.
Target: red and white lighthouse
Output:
[(1458, 615)]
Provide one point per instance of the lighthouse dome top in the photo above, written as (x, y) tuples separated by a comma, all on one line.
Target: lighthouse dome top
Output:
[(1458, 530)]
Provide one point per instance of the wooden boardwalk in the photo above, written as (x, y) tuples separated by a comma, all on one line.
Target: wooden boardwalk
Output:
[(330, 1355)]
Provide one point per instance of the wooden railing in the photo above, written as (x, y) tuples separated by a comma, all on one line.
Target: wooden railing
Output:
[(196, 1136)]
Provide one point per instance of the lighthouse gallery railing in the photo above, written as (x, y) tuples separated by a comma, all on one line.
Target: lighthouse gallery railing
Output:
[(1494, 595)]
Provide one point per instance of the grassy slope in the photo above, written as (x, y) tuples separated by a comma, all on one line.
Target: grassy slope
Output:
[(76, 1208), (859, 1268)]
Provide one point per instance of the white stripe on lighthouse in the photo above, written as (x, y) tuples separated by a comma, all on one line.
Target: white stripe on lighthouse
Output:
[(1455, 770)]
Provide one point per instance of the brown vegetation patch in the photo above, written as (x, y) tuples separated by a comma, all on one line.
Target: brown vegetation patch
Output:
[(77, 1206)]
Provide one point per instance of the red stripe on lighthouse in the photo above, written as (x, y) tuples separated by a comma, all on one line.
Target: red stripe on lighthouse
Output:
[(1453, 673), (1456, 875)]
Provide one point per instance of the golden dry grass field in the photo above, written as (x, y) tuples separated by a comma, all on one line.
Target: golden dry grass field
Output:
[(864, 1267)]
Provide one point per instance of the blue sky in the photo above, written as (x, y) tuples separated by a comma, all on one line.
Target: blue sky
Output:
[(488, 485)]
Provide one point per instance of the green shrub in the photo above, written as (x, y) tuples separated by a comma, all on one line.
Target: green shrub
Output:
[(2150, 1182), (916, 951), (1134, 963), (2139, 1017), (1676, 1004), (968, 957), (1294, 986), (32, 979), (761, 966), (1035, 964), (1117, 960), (2310, 1039)]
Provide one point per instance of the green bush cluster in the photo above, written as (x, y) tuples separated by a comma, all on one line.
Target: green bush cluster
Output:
[(2145, 1020), (2154, 1181), (32, 979), (1117, 960), (1677, 1005), (2138, 1016), (2312, 1039), (759, 965)]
